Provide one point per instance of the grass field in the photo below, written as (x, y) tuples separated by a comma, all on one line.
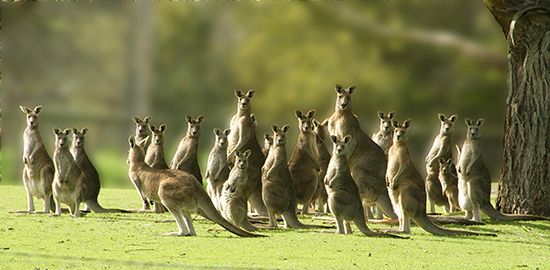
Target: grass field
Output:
[(133, 241)]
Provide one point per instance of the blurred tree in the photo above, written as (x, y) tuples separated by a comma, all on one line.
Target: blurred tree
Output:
[(525, 179)]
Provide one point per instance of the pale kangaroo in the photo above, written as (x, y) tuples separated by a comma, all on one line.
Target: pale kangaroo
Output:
[(38, 168), (142, 129), (406, 187), (441, 148), (92, 182), (343, 197), (69, 184), (367, 160), (233, 199), (177, 190), (243, 136), (304, 163), (321, 197), (474, 180), (154, 156), (268, 142), (217, 170), (449, 182), (384, 136), (185, 158)]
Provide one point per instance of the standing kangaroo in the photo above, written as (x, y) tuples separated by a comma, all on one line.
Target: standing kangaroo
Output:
[(185, 158), (91, 180), (474, 180), (343, 196), (321, 197), (154, 156), (217, 170), (449, 182), (304, 164), (142, 130), (441, 148), (268, 142), (233, 199), (243, 136), (177, 190), (384, 136), (38, 168), (366, 159), (69, 180), (406, 187)]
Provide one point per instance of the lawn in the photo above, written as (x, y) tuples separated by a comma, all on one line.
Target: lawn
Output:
[(130, 241)]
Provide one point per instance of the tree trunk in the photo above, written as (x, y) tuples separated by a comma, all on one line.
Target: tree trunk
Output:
[(525, 181)]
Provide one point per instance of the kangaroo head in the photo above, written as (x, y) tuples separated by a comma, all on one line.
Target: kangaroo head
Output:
[(141, 125), (61, 137), (400, 131), (32, 115), (321, 129), (268, 140), (474, 128), (340, 145), (445, 165), (385, 121), (244, 100), (158, 133), (446, 123), (305, 121), (343, 97), (136, 152), (79, 137), (241, 159), (221, 137), (194, 125), (279, 135)]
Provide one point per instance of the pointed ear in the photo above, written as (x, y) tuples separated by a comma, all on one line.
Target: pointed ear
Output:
[(468, 121), (480, 122), (56, 131), (247, 153), (200, 119), (441, 117), (347, 139), (351, 89), (390, 115), (285, 128), (338, 88), (299, 114), (442, 161), (310, 114), (324, 123), (84, 131), (37, 109), (25, 109), (316, 123), (380, 115), (453, 117), (407, 123), (267, 136), (217, 131), (162, 127), (131, 141), (227, 132), (334, 139), (395, 124), (253, 116), (75, 131), (189, 119), (152, 128), (136, 119), (67, 131), (250, 93), (274, 128), (238, 94), (147, 119)]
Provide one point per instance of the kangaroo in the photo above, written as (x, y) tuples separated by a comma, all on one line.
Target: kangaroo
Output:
[(268, 142), (154, 156), (366, 159), (321, 197), (449, 182), (243, 136), (406, 187), (384, 137), (142, 131), (441, 148), (343, 196), (185, 158), (69, 184), (38, 168), (177, 190), (233, 198), (304, 162), (474, 180), (91, 176), (217, 170)]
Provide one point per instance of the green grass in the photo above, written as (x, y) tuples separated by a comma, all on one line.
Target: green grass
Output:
[(130, 241)]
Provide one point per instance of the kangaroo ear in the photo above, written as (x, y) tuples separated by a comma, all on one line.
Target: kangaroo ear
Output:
[(285, 128), (37, 109), (468, 121), (25, 109), (407, 123), (227, 132), (152, 128), (395, 124), (390, 115), (217, 131), (310, 114), (56, 131), (274, 128), (136, 119), (189, 119), (338, 88), (299, 114), (131, 141), (479, 122), (238, 94), (267, 136), (442, 161), (324, 123), (84, 131), (351, 89), (250, 93), (334, 139), (75, 131), (253, 117), (347, 139), (162, 127), (441, 117), (67, 131), (247, 153), (380, 115), (316, 123), (147, 119), (453, 117), (200, 119)]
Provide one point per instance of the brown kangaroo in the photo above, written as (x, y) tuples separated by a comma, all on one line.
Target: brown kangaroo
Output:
[(185, 158), (142, 130), (406, 187), (474, 180), (38, 168), (217, 170), (384, 136), (178, 191), (304, 162), (449, 182), (366, 159), (321, 197), (268, 142)]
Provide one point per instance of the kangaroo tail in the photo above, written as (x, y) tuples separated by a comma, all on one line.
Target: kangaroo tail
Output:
[(424, 222), (497, 215), (96, 207), (453, 220), (293, 222), (360, 223)]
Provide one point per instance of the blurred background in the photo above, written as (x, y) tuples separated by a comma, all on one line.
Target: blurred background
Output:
[(96, 64)]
